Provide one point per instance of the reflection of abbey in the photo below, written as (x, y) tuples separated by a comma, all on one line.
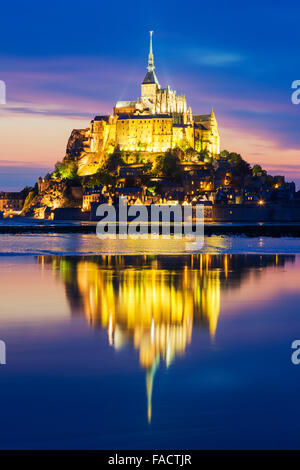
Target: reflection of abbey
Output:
[(155, 303), (157, 121)]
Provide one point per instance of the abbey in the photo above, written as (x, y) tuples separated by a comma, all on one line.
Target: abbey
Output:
[(157, 121)]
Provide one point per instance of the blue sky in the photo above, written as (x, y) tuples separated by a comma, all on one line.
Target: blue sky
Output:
[(65, 61)]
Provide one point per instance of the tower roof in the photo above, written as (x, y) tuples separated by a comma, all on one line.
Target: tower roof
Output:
[(151, 77)]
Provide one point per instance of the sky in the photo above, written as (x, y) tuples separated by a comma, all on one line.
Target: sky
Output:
[(64, 62)]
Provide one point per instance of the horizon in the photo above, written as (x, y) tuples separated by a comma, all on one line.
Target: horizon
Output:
[(62, 81)]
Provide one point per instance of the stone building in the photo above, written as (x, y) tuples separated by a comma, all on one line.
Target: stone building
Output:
[(157, 121), (92, 195), (147, 133), (206, 133), (11, 201)]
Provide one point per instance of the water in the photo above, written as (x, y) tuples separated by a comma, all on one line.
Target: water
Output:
[(89, 244), (154, 351)]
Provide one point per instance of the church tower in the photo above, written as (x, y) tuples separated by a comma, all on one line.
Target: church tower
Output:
[(150, 85)]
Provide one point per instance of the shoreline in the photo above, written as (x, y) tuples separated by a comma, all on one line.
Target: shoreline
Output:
[(249, 229)]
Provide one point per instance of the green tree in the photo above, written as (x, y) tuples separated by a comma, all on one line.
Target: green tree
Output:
[(190, 154), (147, 174), (168, 165), (101, 178), (224, 154), (205, 156), (137, 156), (256, 169), (239, 164), (115, 160), (67, 169)]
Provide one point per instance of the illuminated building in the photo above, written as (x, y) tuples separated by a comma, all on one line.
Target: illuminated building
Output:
[(157, 121), (11, 202)]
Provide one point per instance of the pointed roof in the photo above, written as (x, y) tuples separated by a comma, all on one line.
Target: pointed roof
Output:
[(201, 117), (151, 77)]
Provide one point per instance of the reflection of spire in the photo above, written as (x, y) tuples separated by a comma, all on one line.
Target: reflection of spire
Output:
[(149, 383)]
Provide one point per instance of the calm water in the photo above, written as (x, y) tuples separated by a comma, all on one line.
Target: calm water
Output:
[(150, 351), (89, 244)]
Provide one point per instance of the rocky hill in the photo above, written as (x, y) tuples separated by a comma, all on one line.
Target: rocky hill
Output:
[(78, 151)]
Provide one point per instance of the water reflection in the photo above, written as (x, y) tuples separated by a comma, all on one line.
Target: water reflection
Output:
[(154, 302)]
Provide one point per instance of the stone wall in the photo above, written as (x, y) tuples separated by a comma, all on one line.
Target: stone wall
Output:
[(254, 213)]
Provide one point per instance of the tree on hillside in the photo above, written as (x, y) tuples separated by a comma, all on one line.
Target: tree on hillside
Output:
[(190, 155), (146, 174), (115, 160), (224, 154), (256, 170), (205, 156), (168, 166), (101, 178), (239, 164), (67, 169)]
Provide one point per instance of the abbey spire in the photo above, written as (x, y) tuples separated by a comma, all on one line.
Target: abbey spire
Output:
[(150, 57), (151, 77)]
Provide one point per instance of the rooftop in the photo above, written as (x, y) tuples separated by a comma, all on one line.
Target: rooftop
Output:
[(125, 104), (100, 118), (151, 78), (123, 117), (201, 117)]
